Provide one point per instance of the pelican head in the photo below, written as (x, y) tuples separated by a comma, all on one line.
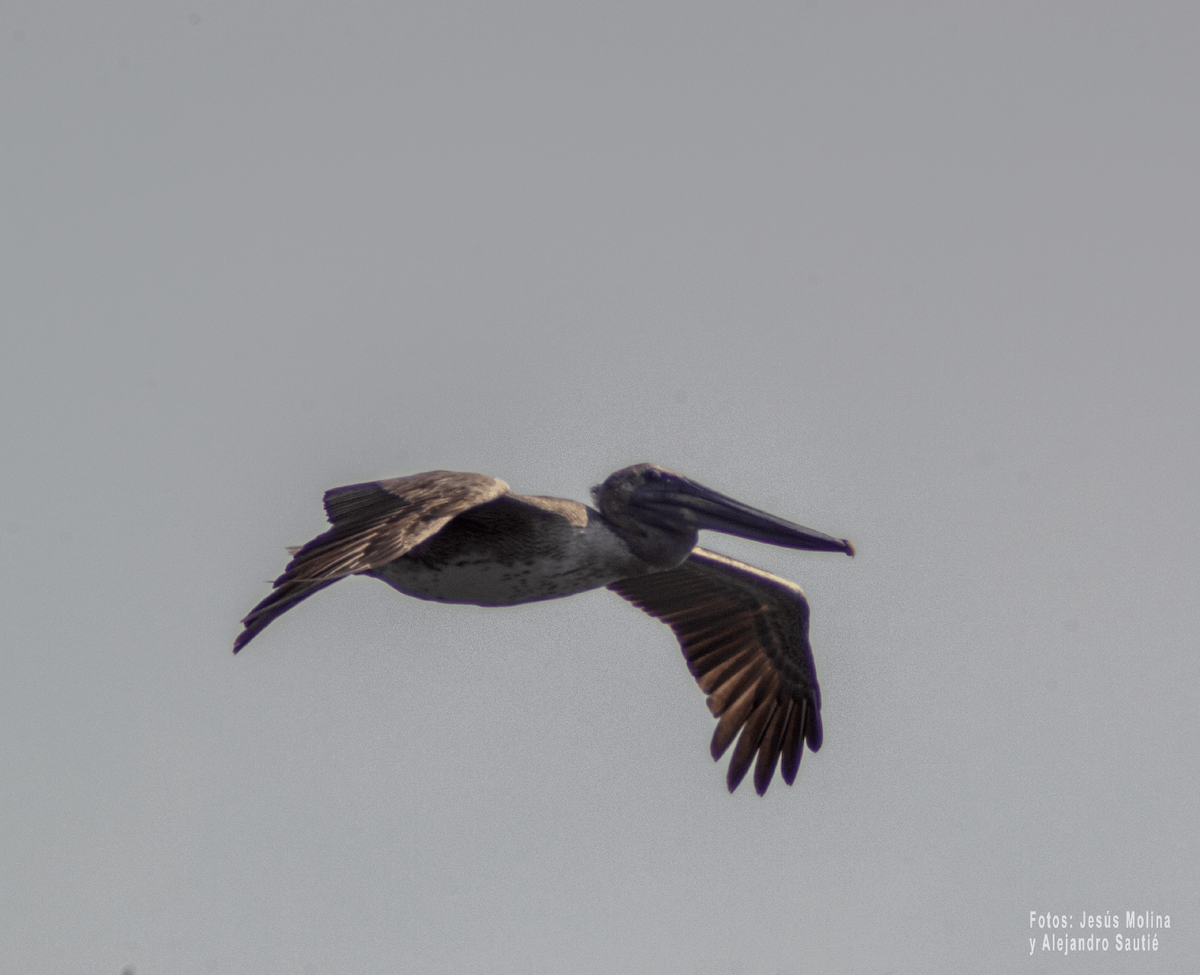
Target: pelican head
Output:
[(660, 513)]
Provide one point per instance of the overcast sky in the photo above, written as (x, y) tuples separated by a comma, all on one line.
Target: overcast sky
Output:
[(920, 275)]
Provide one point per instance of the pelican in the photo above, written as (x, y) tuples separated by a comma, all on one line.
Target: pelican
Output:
[(465, 538)]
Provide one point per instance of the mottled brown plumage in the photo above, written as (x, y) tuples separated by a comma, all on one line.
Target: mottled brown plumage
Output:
[(465, 538)]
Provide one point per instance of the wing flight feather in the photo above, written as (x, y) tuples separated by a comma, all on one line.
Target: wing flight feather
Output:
[(373, 524), (744, 635)]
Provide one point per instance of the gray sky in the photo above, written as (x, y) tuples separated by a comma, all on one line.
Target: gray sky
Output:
[(920, 275)]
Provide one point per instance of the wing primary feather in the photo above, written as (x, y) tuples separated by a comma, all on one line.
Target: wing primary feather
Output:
[(793, 742), (768, 749), (744, 637), (748, 742), (372, 524), (813, 733), (280, 601), (728, 672), (734, 687), (735, 715)]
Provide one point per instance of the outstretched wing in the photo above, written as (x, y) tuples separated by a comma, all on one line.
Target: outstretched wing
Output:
[(744, 634), (372, 525)]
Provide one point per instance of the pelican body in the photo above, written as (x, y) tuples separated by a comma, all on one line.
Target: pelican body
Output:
[(465, 538)]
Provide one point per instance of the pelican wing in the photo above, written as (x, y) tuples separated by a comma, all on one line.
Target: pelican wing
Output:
[(744, 634), (372, 525)]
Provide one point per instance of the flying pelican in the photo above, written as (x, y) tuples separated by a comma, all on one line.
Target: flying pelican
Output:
[(465, 538)]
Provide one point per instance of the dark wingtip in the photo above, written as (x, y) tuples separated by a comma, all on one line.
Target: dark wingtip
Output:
[(814, 735), (789, 765), (763, 780), (735, 775)]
